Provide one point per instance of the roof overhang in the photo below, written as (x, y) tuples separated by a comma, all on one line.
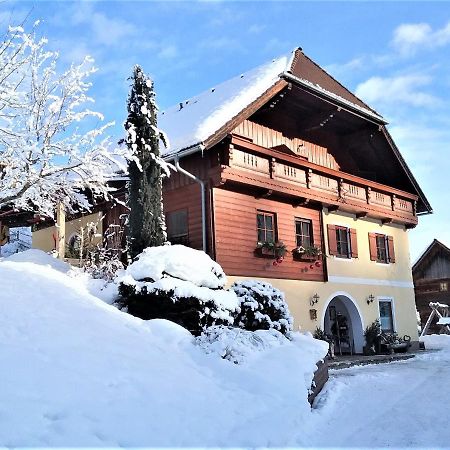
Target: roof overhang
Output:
[(334, 99)]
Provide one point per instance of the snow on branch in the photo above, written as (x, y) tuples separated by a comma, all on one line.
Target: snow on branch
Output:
[(52, 147)]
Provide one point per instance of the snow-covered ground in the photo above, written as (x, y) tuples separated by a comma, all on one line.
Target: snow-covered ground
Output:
[(19, 240), (76, 371), (399, 405)]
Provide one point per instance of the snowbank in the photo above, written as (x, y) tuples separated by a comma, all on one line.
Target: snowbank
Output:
[(436, 342), (78, 372), (40, 258), (239, 346)]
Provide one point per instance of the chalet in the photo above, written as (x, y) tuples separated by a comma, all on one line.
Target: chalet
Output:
[(284, 160), (285, 175), (431, 275)]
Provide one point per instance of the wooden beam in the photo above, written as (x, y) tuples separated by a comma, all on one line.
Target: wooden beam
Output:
[(302, 201), (361, 215), (332, 208), (61, 230), (386, 220), (264, 193)]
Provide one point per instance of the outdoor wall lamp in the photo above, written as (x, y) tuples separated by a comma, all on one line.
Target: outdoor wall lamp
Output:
[(370, 299), (315, 298)]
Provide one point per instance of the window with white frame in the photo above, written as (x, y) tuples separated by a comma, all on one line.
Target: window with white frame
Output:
[(386, 315)]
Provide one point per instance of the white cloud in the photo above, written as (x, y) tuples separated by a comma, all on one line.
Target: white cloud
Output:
[(342, 70), (105, 30), (256, 28), (168, 52), (410, 37), (403, 89)]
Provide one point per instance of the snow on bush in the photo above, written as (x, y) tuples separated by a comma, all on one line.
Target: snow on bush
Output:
[(103, 264), (236, 344), (180, 262), (179, 284), (262, 307)]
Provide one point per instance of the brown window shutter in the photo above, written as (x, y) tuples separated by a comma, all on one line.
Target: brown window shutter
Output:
[(373, 246), (390, 241), (353, 243), (332, 245)]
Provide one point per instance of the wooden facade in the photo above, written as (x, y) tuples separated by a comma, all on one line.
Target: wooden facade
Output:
[(431, 274), (236, 236)]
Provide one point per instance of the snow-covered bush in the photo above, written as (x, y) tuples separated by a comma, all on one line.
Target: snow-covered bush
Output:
[(237, 345), (179, 284), (262, 307), (102, 263)]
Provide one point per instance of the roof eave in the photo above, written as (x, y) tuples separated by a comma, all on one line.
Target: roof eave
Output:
[(335, 99), (412, 179), (171, 156)]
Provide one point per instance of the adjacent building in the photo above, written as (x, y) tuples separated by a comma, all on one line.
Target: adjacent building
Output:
[(431, 275)]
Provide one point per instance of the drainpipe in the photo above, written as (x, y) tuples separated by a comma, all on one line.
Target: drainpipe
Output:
[(203, 190)]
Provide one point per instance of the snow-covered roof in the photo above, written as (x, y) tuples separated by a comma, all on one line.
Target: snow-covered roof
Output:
[(192, 122)]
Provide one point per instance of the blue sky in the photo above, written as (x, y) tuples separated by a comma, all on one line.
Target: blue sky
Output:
[(396, 56)]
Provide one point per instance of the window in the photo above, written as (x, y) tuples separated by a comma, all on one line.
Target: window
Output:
[(386, 317), (342, 241), (443, 286), (381, 248), (265, 223), (177, 227), (303, 233)]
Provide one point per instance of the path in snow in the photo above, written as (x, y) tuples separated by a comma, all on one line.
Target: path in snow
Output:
[(403, 404)]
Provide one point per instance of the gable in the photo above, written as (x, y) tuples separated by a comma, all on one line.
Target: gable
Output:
[(434, 262), (306, 69)]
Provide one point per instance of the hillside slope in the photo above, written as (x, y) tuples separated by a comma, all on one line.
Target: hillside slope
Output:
[(78, 372)]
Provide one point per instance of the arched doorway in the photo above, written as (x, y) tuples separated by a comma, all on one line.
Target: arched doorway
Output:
[(342, 313)]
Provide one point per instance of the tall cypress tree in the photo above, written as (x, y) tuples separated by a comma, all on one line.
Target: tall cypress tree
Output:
[(146, 225)]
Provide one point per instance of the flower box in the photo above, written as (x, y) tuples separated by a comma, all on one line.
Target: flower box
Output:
[(308, 254), (303, 257), (270, 250), (264, 252)]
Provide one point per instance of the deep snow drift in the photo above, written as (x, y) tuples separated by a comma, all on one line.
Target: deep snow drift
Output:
[(78, 372)]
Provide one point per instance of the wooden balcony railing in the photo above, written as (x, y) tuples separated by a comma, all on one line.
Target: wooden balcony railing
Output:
[(340, 188)]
